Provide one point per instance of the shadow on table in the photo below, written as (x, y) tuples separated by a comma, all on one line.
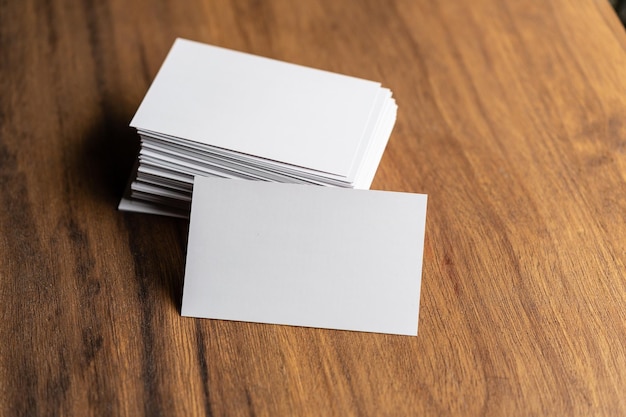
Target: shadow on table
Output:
[(157, 244), (108, 152), (620, 9)]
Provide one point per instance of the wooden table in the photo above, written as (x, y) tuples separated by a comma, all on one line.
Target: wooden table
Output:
[(512, 117)]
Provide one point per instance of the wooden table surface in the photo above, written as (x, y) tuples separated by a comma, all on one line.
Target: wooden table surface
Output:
[(512, 117)]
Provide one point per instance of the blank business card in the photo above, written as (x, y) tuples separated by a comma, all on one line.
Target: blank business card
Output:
[(262, 107), (305, 256)]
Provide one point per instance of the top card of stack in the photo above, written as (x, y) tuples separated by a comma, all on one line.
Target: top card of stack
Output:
[(216, 112)]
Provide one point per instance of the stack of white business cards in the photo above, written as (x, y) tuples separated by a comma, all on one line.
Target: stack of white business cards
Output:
[(214, 112), (305, 256)]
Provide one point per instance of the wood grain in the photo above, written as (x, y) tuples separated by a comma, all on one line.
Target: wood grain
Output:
[(511, 118)]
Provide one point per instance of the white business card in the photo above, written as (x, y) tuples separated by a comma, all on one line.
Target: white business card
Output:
[(305, 256)]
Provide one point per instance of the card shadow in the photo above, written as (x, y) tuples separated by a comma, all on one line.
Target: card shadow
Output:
[(157, 244)]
